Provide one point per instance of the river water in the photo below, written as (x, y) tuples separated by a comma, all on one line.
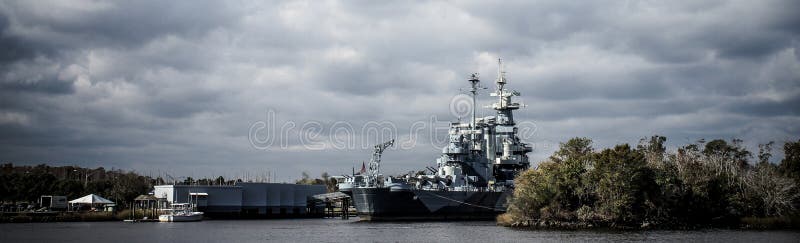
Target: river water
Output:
[(336, 230)]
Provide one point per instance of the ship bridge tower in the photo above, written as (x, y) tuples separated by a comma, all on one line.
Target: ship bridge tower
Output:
[(504, 106), (505, 152)]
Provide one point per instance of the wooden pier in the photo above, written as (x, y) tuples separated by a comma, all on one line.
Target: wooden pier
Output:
[(337, 205)]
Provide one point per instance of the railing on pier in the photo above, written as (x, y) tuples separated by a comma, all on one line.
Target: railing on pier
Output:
[(334, 201)]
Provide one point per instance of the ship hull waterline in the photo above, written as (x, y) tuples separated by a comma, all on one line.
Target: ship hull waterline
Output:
[(384, 204)]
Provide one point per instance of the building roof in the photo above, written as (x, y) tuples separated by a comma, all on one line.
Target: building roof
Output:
[(333, 196), (145, 198), (92, 199)]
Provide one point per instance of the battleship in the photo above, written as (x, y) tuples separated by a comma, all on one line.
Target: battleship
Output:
[(473, 177)]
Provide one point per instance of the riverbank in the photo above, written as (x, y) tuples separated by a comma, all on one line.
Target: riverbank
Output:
[(43, 217), (768, 223), (338, 230)]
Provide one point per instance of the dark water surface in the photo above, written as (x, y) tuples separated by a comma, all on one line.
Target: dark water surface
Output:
[(335, 230)]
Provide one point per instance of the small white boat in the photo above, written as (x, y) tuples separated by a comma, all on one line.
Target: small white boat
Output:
[(180, 212)]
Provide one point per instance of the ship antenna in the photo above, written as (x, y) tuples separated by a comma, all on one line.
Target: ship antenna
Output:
[(474, 83), (501, 75)]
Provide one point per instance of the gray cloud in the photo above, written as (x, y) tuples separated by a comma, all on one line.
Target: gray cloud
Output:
[(175, 86)]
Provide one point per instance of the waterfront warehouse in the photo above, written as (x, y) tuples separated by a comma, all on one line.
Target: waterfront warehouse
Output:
[(245, 199)]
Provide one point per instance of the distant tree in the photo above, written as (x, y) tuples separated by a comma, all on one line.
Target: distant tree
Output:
[(790, 165), (7, 168), (41, 184), (307, 180), (576, 149), (330, 183), (653, 149), (5, 187), (730, 153), (204, 181), (127, 186), (765, 152), (69, 188)]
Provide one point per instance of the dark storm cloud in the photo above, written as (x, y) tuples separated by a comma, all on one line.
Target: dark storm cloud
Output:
[(765, 107), (117, 24), (14, 48), (44, 86), (170, 85)]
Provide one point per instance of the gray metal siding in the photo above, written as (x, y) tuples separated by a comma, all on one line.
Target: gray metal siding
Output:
[(267, 198)]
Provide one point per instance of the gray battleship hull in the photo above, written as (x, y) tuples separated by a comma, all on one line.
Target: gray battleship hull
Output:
[(379, 204)]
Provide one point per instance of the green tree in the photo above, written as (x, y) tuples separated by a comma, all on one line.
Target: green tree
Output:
[(653, 149), (127, 186), (733, 154), (535, 190), (666, 175), (625, 185), (712, 181), (572, 160), (69, 188)]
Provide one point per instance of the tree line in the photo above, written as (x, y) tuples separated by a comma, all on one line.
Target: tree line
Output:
[(704, 183), (325, 179), (28, 183)]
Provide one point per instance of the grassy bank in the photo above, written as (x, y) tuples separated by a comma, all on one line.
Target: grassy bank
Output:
[(31, 217), (57, 217)]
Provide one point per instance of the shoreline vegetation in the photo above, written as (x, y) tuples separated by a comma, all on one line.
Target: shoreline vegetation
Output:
[(43, 217), (715, 184), (23, 185)]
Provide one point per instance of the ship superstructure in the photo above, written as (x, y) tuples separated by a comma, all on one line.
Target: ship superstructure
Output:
[(486, 152), (471, 179)]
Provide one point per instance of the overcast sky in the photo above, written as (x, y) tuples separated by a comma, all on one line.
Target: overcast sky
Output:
[(183, 86)]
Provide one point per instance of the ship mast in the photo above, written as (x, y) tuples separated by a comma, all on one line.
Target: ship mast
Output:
[(474, 90), (501, 76), (504, 106)]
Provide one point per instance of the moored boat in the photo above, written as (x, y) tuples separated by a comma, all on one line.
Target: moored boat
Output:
[(180, 212)]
